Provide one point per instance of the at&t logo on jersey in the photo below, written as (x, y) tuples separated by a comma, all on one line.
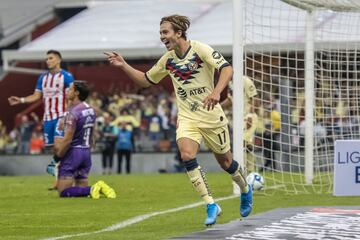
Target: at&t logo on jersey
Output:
[(197, 91), (192, 92)]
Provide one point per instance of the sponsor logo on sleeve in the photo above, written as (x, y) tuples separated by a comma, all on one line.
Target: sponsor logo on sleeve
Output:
[(220, 62), (216, 55)]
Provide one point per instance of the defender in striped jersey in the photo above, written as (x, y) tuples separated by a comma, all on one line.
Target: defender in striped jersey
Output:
[(51, 87)]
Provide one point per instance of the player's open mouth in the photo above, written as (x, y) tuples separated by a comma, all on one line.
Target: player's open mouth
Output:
[(167, 43)]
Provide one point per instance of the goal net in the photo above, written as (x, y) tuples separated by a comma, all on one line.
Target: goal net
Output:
[(304, 58)]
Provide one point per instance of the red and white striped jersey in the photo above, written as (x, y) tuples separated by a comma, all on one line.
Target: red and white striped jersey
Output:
[(53, 88)]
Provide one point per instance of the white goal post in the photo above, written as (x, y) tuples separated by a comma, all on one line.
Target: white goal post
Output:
[(304, 58)]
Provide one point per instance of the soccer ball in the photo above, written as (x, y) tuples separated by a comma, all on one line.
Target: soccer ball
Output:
[(256, 181)]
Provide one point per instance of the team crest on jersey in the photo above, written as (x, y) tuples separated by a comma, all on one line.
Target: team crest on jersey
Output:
[(192, 65), (185, 72)]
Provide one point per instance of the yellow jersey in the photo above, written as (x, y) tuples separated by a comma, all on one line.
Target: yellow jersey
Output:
[(249, 92), (193, 79), (129, 119), (275, 119)]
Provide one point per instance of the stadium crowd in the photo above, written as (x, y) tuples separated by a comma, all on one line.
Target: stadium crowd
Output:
[(150, 115)]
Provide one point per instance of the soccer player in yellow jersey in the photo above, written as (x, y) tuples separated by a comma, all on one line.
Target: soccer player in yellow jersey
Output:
[(251, 119), (191, 66)]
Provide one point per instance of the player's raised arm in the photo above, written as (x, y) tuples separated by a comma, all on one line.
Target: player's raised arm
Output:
[(137, 76), (14, 100)]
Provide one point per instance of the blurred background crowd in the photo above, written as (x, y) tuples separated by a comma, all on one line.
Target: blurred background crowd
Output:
[(150, 116)]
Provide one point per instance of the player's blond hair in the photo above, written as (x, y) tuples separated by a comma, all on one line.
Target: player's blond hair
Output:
[(178, 22)]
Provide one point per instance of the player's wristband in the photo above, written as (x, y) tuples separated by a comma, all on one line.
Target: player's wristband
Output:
[(56, 158), (22, 100)]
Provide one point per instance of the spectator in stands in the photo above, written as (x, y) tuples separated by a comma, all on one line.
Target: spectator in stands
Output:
[(269, 155), (95, 102), (125, 116), (320, 132), (343, 127), (163, 112), (149, 107), (124, 146), (26, 128), (271, 139), (108, 136), (114, 107), (3, 141), (155, 129), (299, 106), (36, 143), (2, 127), (4, 138), (13, 141), (135, 109)]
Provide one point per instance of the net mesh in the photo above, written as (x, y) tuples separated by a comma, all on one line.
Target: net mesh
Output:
[(336, 5), (275, 33)]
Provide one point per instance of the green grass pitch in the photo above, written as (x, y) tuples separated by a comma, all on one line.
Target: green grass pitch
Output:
[(29, 211)]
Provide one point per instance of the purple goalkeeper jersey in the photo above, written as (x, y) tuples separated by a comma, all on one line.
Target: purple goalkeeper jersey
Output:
[(82, 118)]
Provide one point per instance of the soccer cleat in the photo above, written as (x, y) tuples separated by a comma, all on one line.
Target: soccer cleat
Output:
[(213, 210), (107, 190), (246, 202), (95, 191)]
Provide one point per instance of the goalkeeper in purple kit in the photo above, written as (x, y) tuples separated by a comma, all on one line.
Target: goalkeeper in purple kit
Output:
[(74, 150)]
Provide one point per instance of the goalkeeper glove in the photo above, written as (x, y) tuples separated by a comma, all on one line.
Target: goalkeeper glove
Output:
[(56, 159), (52, 168)]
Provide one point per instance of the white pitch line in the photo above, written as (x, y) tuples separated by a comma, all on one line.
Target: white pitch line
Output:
[(275, 187), (137, 219)]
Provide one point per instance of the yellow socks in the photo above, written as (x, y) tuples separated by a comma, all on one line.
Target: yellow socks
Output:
[(198, 180), (238, 176)]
